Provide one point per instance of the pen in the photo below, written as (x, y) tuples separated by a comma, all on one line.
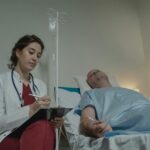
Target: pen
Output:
[(37, 96)]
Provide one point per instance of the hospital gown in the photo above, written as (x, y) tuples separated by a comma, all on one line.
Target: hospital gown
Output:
[(127, 111)]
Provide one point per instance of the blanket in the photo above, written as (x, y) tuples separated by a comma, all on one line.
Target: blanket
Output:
[(124, 109)]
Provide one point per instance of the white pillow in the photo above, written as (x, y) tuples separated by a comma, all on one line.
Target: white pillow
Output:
[(82, 84)]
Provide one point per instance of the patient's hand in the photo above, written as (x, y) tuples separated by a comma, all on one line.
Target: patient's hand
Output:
[(98, 128), (90, 126)]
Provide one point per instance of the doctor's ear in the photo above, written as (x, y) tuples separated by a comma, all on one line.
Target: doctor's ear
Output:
[(18, 53)]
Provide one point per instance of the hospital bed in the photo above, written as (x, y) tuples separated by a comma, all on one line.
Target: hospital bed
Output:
[(69, 97)]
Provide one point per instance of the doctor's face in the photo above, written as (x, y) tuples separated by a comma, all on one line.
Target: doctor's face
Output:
[(29, 56)]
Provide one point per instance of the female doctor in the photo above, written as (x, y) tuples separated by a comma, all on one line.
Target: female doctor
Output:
[(16, 103)]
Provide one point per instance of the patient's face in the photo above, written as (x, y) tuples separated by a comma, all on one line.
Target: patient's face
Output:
[(98, 79)]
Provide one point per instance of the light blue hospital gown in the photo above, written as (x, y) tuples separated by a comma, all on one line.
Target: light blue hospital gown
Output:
[(124, 109)]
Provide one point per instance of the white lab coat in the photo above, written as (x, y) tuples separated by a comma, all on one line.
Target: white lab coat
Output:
[(12, 114)]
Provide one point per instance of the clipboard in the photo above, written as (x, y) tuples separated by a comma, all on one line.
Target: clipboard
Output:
[(42, 114), (57, 112)]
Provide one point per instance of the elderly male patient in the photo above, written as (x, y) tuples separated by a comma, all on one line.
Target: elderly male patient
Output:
[(107, 110)]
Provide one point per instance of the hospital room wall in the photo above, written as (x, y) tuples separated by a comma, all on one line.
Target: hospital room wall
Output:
[(108, 36), (103, 34), (144, 11)]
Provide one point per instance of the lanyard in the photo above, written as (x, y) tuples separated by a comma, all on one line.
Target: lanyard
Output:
[(35, 88)]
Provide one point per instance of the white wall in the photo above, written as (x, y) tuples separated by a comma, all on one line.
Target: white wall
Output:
[(104, 34), (144, 16)]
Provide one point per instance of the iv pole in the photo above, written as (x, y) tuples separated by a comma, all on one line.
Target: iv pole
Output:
[(54, 27), (54, 19)]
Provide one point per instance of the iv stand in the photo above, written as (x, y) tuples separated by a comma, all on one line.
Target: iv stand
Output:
[(54, 18)]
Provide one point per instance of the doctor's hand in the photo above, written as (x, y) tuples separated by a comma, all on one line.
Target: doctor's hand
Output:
[(57, 122), (98, 128), (41, 103)]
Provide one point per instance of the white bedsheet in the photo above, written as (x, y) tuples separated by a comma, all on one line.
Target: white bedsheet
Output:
[(119, 142)]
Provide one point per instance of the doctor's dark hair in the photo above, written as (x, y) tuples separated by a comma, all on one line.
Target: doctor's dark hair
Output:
[(21, 44)]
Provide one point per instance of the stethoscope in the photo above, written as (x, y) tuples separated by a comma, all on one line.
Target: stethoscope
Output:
[(34, 87)]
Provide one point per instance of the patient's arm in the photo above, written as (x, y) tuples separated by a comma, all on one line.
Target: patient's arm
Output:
[(90, 126)]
